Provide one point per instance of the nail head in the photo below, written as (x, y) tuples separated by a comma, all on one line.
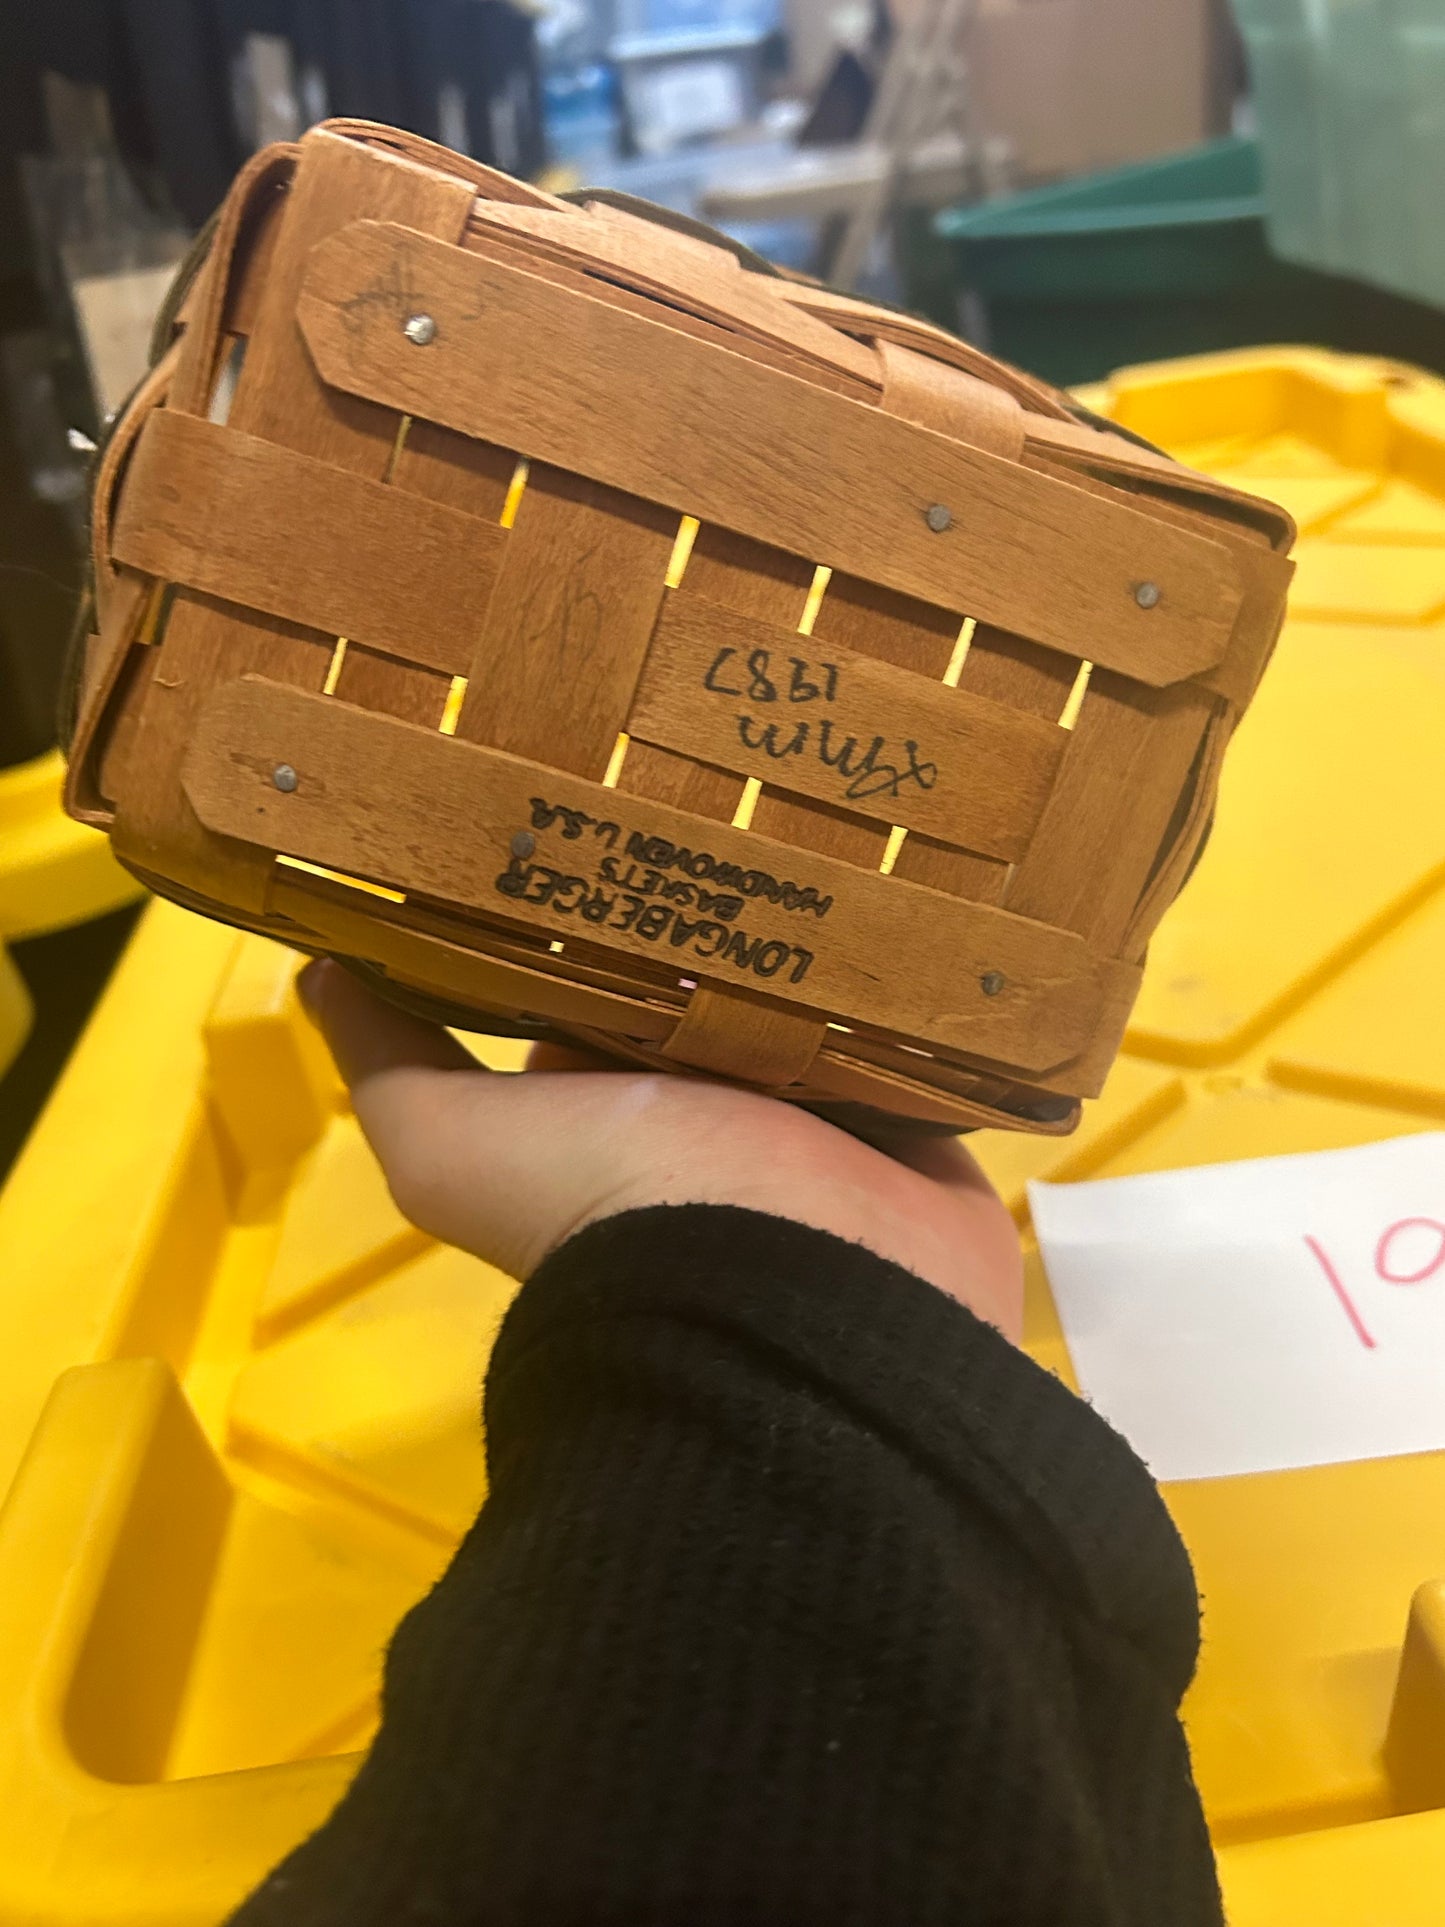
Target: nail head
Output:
[(992, 982), (1146, 594), (938, 517), (285, 778), (420, 329), (523, 843)]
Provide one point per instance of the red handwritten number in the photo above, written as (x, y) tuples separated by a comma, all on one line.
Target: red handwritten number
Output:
[(1383, 1268), (1337, 1286), (1382, 1252)]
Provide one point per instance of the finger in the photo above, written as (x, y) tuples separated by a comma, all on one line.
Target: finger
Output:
[(499, 1165), (404, 1076), (368, 1036)]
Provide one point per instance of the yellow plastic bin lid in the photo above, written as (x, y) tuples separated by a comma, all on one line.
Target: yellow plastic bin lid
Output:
[(53, 872), (15, 1011), (239, 1395)]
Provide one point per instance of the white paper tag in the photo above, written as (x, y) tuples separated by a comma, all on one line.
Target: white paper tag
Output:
[(1249, 1317)]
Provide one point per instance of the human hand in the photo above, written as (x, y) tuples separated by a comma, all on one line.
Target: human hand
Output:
[(508, 1167)]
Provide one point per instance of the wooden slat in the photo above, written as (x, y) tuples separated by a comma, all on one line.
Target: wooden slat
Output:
[(1266, 578), (1026, 679), (1186, 838), (514, 250), (400, 688), (815, 718), (558, 657), (279, 398), (884, 324), (908, 1090), (126, 608), (657, 261), (735, 573), (361, 438), (1006, 669), (114, 742), (113, 464), (901, 629), (719, 1033), (940, 397), (454, 470), (1122, 776), (1264, 573), (262, 526), (414, 809), (912, 633), (1071, 446), (256, 244), (490, 182), (204, 641), (439, 466), (653, 1002), (750, 577), (681, 781), (572, 381), (916, 635), (254, 190), (397, 937), (880, 623)]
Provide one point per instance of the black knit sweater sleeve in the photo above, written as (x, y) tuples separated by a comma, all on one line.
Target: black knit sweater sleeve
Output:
[(800, 1597)]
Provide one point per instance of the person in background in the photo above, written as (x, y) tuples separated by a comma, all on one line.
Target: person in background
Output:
[(800, 1595)]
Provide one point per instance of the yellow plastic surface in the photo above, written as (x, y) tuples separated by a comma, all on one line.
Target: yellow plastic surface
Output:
[(15, 1010), (238, 1395), (52, 873)]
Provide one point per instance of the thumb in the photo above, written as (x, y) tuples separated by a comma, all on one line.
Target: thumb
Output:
[(369, 1038), (494, 1163)]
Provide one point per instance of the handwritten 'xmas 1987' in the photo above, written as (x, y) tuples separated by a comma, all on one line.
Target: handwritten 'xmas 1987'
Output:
[(1411, 1251), (861, 771)]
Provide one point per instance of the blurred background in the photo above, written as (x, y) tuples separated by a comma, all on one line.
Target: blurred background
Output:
[(1072, 184)]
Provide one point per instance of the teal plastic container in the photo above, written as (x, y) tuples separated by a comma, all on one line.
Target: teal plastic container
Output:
[(1163, 258), (1350, 96)]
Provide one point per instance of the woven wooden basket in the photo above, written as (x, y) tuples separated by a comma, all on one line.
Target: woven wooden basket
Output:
[(592, 633)]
